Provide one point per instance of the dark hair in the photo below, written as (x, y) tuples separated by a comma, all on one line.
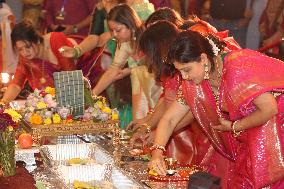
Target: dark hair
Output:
[(170, 15), (127, 16), (189, 46), (25, 31), (165, 13), (155, 42)]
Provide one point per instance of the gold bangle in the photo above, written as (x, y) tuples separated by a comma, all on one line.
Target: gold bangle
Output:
[(235, 133), (151, 111), (77, 52), (158, 147)]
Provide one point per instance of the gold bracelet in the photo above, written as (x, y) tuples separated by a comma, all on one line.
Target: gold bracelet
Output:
[(235, 133), (94, 96), (158, 147), (148, 127)]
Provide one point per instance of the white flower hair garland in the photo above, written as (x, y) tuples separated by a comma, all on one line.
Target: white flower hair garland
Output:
[(215, 49)]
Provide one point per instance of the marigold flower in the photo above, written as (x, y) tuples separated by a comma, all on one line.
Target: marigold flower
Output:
[(36, 119)]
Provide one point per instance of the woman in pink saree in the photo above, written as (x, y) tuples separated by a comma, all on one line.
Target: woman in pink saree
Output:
[(237, 98)]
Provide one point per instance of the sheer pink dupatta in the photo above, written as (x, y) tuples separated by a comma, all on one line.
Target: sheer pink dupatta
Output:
[(246, 75), (202, 104)]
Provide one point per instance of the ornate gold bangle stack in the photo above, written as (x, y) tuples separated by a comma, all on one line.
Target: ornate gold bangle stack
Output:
[(77, 52)]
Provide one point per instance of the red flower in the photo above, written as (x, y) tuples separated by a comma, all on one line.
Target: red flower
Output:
[(5, 121)]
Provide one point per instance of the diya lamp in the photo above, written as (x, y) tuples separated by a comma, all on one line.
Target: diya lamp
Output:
[(5, 79), (171, 164)]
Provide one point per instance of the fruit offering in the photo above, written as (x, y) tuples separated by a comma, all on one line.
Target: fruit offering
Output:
[(25, 141)]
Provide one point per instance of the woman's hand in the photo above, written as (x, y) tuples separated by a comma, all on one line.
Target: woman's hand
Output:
[(157, 162), (139, 135), (67, 52), (135, 124), (143, 135), (225, 125)]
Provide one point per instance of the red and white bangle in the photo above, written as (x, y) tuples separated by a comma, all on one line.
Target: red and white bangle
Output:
[(158, 147)]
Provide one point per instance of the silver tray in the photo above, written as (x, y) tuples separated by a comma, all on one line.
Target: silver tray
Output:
[(54, 155)]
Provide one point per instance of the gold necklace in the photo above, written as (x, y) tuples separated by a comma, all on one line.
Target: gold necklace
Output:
[(217, 94)]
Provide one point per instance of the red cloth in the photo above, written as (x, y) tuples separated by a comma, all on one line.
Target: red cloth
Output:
[(75, 12), (32, 71), (23, 179)]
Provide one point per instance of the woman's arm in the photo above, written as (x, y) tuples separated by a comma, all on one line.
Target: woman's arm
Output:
[(89, 43), (187, 119), (266, 108), (106, 79), (173, 115), (11, 93), (164, 130), (103, 39), (114, 71)]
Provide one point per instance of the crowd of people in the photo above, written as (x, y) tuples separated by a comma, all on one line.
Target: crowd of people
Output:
[(197, 95)]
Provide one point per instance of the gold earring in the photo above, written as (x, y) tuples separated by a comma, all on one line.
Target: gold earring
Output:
[(206, 72), (133, 37), (185, 76)]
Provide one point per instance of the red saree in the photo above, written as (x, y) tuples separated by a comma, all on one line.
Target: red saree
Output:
[(36, 71), (189, 145), (260, 150)]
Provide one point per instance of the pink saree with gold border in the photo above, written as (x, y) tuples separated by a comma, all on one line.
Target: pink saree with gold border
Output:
[(260, 150)]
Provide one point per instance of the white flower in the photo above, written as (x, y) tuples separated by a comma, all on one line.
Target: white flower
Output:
[(215, 49)]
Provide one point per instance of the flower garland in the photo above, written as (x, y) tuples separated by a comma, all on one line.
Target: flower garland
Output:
[(215, 49)]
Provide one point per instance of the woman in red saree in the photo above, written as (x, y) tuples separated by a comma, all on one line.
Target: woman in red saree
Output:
[(39, 58), (238, 100), (187, 145)]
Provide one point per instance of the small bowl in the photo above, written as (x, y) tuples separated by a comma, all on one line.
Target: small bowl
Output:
[(171, 172)]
